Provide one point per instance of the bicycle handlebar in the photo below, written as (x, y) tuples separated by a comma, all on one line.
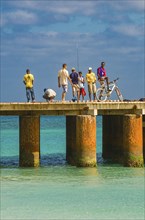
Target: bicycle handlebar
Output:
[(114, 80)]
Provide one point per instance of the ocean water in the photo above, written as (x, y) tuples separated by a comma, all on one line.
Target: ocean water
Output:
[(56, 190)]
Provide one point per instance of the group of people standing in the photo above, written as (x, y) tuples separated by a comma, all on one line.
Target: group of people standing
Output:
[(76, 80)]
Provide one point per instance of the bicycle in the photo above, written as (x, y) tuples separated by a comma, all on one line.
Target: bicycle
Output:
[(103, 94)]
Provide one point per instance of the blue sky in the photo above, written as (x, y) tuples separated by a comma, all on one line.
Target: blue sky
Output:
[(42, 35)]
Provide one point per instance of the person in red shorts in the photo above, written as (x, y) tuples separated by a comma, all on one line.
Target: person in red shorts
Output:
[(81, 82)]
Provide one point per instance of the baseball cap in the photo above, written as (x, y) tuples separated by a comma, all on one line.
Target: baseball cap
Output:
[(73, 68), (90, 68)]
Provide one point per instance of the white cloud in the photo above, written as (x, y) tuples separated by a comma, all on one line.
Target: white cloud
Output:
[(138, 4), (20, 17), (129, 30), (71, 7), (23, 4), (126, 5), (59, 7)]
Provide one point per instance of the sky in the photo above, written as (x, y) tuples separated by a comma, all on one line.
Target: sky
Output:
[(43, 34)]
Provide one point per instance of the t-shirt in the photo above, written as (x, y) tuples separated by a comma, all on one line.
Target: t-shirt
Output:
[(28, 79), (74, 77), (63, 76), (49, 93), (101, 72), (81, 81), (90, 77)]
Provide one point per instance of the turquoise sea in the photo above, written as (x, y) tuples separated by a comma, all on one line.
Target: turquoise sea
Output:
[(56, 190)]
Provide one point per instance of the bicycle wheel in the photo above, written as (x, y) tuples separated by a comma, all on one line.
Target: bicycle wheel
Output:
[(101, 95), (120, 97)]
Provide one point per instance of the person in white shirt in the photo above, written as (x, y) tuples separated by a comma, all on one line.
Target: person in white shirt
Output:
[(49, 95), (81, 82), (63, 77)]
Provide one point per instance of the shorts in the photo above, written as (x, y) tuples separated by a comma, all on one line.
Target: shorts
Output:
[(65, 88), (102, 80), (75, 88), (82, 92), (92, 88)]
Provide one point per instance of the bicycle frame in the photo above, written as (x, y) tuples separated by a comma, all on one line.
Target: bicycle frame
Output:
[(112, 84), (103, 93)]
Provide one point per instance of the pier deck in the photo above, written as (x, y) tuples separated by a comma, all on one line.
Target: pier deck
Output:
[(71, 108)]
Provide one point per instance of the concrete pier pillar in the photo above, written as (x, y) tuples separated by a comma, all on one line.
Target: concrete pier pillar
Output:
[(112, 137), (86, 140), (71, 139), (132, 140), (29, 138), (143, 124), (81, 140)]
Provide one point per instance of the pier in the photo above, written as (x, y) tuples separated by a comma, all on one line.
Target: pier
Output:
[(123, 131)]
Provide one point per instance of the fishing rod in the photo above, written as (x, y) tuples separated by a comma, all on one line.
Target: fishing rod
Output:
[(77, 47)]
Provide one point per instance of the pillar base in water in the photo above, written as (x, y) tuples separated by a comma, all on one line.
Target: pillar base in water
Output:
[(131, 160), (132, 140), (86, 162), (81, 140), (29, 141)]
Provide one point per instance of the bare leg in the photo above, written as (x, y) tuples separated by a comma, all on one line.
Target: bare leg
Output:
[(63, 96), (90, 91), (94, 96), (78, 96), (90, 97), (107, 82), (73, 92), (82, 98)]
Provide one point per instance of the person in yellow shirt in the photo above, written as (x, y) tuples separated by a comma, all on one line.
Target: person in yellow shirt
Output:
[(91, 80), (28, 81)]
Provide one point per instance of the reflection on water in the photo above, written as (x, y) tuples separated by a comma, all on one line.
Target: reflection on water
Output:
[(59, 191), (66, 192)]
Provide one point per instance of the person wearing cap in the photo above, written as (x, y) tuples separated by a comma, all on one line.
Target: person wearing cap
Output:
[(75, 86), (28, 80), (49, 95), (91, 80), (102, 76), (63, 77)]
